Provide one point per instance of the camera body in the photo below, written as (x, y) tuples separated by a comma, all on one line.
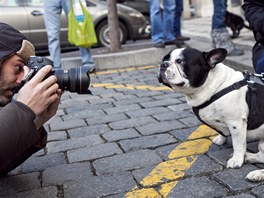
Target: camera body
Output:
[(74, 80)]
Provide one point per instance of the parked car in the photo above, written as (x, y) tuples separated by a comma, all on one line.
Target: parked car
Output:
[(27, 16), (139, 5)]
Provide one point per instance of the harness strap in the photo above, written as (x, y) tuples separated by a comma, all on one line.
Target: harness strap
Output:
[(235, 86)]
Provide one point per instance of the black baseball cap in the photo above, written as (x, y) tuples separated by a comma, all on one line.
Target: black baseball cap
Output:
[(14, 42)]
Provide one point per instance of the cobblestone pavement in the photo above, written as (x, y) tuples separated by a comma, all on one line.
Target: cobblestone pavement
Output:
[(132, 138)]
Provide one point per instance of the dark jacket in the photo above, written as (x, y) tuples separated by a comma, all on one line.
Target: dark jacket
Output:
[(254, 13), (19, 138)]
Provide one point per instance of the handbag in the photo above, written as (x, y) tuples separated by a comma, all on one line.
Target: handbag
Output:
[(81, 30)]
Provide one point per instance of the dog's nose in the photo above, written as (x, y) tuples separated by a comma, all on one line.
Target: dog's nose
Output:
[(165, 65)]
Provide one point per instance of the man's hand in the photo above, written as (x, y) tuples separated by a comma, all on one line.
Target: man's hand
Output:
[(42, 96)]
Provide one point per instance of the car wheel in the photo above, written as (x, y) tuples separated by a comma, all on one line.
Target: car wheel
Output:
[(103, 37)]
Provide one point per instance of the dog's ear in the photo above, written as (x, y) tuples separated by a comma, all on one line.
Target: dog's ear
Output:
[(215, 56)]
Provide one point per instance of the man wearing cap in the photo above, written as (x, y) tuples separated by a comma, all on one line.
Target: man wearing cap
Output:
[(21, 120)]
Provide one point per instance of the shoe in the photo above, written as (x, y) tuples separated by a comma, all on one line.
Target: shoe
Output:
[(183, 38), (159, 45), (176, 42), (236, 52)]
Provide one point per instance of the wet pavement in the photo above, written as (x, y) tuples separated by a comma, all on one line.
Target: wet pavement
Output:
[(134, 138)]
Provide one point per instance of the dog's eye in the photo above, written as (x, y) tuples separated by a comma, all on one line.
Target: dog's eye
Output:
[(179, 61)]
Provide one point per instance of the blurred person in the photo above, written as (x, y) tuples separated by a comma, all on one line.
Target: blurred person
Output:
[(254, 13), (219, 32), (178, 20), (52, 15), (21, 121), (162, 23)]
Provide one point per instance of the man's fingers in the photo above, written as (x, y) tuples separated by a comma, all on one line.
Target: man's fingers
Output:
[(40, 75)]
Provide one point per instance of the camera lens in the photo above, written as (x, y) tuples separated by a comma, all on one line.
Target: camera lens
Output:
[(74, 79)]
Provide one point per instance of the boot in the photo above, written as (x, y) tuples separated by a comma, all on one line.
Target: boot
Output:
[(221, 39)]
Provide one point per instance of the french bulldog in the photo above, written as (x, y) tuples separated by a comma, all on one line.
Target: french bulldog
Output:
[(227, 100)]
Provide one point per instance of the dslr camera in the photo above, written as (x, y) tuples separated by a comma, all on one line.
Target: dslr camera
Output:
[(74, 80)]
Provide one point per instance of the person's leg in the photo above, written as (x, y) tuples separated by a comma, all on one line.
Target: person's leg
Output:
[(177, 17), (52, 12), (87, 59), (218, 20), (168, 19), (157, 34), (219, 34)]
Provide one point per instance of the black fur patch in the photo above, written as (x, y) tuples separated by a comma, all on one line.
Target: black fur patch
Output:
[(195, 66)]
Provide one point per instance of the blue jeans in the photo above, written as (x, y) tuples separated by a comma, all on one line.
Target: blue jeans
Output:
[(177, 17), (162, 22), (52, 15), (218, 20)]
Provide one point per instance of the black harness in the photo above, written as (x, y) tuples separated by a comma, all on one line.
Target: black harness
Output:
[(254, 99)]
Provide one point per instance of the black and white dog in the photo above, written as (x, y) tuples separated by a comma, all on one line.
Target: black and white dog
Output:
[(227, 100)]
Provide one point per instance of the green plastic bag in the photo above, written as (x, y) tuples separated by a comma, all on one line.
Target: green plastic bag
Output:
[(81, 34)]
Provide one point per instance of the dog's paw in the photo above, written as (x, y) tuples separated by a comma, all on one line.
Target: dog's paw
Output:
[(256, 176), (219, 140), (234, 162)]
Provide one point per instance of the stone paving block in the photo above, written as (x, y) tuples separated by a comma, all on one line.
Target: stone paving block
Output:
[(190, 121), (121, 109), (87, 113), (243, 195), (235, 178), (58, 175), (259, 191), (124, 124), (145, 142), (169, 94), (203, 165), (127, 161), (69, 124), (120, 134), (99, 186), (147, 112), (93, 152), (221, 156), (132, 101), (18, 183), (180, 107), (49, 192), (146, 93), (159, 127), (164, 151), (106, 119), (88, 130), (43, 162), (172, 115), (65, 145), (101, 100), (198, 187), (165, 102), (58, 135), (140, 174), (91, 107)]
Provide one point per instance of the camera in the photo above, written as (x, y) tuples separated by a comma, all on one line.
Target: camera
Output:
[(73, 80)]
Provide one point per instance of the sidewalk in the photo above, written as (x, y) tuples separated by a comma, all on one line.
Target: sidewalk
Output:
[(133, 138), (198, 29)]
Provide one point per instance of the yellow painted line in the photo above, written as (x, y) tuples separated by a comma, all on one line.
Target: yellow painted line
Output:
[(123, 70), (167, 173), (123, 86)]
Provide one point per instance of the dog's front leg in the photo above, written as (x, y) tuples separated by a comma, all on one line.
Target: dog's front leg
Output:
[(238, 132)]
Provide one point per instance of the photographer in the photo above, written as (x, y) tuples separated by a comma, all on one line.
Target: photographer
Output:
[(21, 120)]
